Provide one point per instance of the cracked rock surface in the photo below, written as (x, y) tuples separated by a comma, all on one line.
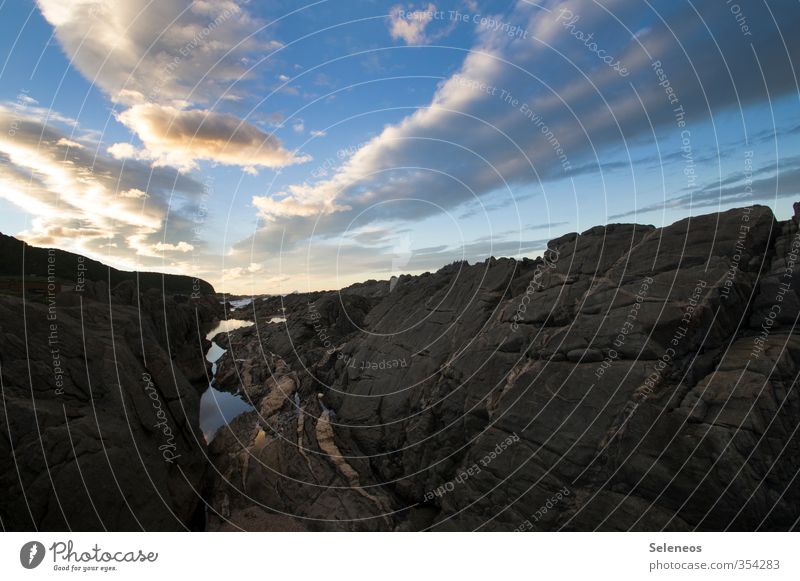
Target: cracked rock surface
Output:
[(99, 420), (632, 378)]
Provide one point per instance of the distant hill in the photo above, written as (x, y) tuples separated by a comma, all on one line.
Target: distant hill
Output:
[(66, 266)]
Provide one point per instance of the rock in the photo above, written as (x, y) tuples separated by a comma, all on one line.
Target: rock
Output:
[(279, 392), (609, 371), (100, 410), (631, 378), (585, 355)]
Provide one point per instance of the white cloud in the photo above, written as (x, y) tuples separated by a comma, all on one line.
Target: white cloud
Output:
[(122, 151), (303, 201), (409, 25), (90, 203), (171, 51), (69, 143), (135, 193), (163, 61), (181, 138), (179, 247)]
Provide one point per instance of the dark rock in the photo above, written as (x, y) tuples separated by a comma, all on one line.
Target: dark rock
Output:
[(632, 378), (610, 371), (585, 355), (100, 411)]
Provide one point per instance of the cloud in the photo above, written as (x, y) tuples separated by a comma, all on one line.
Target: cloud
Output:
[(778, 182), (161, 62), (182, 137), (409, 25), (171, 51), (179, 247), (133, 193), (545, 226), (301, 202), (83, 201), (518, 100), (123, 151), (240, 272), (523, 110), (69, 143)]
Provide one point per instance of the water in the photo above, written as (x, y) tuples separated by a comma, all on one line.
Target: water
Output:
[(227, 326), (213, 356), (239, 303), (219, 408)]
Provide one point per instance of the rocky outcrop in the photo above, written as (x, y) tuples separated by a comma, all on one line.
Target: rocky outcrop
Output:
[(19, 260), (631, 378), (98, 429)]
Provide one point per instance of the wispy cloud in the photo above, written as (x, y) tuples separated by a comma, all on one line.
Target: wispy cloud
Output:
[(778, 182), (91, 203), (180, 138), (518, 106), (163, 63), (409, 25)]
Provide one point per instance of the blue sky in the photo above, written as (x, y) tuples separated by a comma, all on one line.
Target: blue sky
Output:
[(299, 147)]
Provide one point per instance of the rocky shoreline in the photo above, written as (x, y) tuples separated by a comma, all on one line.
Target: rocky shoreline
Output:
[(647, 374), (632, 378), (101, 388)]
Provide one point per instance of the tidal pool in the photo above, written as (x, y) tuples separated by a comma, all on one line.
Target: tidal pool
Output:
[(218, 408), (226, 326)]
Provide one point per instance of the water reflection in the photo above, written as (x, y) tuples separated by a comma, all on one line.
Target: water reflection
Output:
[(226, 326), (218, 408)]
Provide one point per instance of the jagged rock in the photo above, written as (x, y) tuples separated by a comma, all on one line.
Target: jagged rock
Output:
[(100, 414), (630, 378), (621, 365)]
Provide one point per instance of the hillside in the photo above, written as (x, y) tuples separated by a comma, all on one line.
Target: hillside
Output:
[(101, 388), (21, 260)]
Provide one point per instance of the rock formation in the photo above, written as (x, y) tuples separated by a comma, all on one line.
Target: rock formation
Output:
[(98, 429), (631, 378)]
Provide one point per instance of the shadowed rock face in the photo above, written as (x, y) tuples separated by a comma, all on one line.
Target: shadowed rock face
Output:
[(19, 259), (98, 428), (632, 378)]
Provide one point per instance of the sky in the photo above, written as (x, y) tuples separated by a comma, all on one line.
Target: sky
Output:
[(269, 147)]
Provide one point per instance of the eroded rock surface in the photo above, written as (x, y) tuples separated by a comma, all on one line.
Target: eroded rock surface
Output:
[(98, 428), (632, 378)]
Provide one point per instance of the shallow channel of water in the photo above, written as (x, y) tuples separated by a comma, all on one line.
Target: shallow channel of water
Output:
[(218, 408)]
